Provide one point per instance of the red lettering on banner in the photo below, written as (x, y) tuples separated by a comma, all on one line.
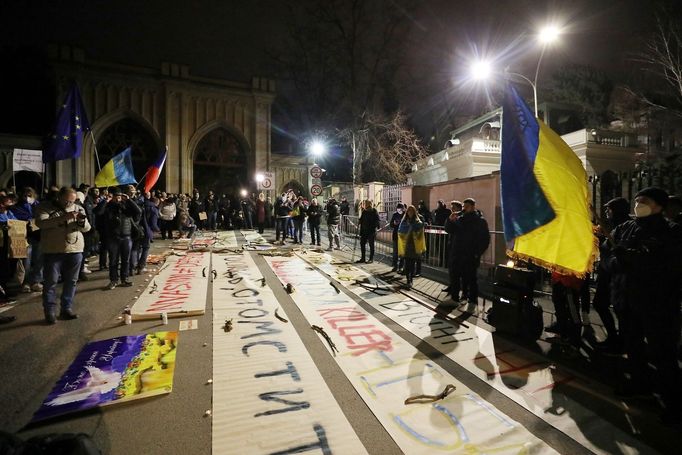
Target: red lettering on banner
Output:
[(361, 338), (365, 338)]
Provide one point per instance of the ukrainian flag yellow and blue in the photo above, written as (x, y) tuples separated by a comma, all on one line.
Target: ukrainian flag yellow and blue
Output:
[(117, 171), (545, 209)]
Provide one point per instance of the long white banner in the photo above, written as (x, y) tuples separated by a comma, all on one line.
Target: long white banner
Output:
[(385, 370), (178, 290), (268, 396), (529, 379)]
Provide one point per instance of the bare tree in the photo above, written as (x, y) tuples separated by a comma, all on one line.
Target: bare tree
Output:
[(384, 148), (662, 58)]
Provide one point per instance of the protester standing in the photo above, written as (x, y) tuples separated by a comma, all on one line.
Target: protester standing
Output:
[(333, 218), (62, 224), (118, 215), (411, 242), (369, 224), (167, 214), (647, 270), (470, 242), (314, 215), (396, 218), (261, 215)]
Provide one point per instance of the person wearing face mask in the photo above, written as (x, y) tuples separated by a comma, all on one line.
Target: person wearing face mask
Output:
[(31, 273), (394, 222), (62, 224), (646, 270), (282, 209)]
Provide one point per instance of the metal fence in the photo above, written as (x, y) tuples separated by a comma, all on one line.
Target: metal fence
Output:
[(436, 243)]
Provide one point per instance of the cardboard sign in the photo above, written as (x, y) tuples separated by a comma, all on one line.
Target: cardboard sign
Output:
[(18, 246), (203, 216)]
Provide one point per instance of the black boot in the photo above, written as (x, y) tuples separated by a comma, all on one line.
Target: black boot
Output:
[(67, 314), (50, 317)]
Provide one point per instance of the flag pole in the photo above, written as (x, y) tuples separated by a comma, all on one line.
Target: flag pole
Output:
[(94, 144), (142, 178)]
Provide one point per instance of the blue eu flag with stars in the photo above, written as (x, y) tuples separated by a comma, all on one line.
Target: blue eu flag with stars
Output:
[(66, 139)]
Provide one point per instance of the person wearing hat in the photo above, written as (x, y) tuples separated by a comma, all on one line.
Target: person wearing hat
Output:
[(396, 218), (470, 242), (617, 213), (647, 271)]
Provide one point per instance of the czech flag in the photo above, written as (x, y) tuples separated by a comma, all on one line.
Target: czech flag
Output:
[(117, 171), (154, 171), (545, 208)]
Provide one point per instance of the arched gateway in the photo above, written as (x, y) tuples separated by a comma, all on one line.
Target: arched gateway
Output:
[(217, 132)]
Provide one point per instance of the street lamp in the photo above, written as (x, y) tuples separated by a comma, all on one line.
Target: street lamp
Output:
[(317, 148), (259, 177), (482, 69), (243, 192)]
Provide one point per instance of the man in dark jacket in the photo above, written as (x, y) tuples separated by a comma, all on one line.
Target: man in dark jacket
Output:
[(470, 242), (455, 283), (424, 212), (333, 218), (314, 215), (646, 270), (369, 224), (394, 222), (617, 213), (282, 209), (118, 215), (211, 207), (441, 214), (196, 206)]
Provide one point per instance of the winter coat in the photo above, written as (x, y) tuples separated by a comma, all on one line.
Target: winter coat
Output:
[(260, 211), (645, 264), (59, 235), (314, 215), (440, 216), (471, 237), (369, 220), (333, 214), (118, 218), (344, 208), (167, 211)]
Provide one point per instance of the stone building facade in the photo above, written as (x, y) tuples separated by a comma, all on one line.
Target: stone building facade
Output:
[(217, 132)]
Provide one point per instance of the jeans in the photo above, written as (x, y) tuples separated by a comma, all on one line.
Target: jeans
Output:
[(119, 256), (139, 253), (212, 220), (298, 231), (66, 265), (167, 227), (314, 233), (281, 227)]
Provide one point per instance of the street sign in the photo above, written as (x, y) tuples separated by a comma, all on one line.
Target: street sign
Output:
[(268, 182), (316, 172), (316, 190)]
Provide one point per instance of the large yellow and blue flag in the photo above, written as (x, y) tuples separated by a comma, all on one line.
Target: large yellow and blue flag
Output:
[(117, 171), (66, 139), (545, 209)]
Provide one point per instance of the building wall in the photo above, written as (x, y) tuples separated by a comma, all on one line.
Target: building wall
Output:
[(176, 108)]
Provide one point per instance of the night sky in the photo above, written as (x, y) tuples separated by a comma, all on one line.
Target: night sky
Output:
[(233, 39)]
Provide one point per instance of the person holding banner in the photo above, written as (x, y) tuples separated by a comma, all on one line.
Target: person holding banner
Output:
[(32, 265), (62, 225)]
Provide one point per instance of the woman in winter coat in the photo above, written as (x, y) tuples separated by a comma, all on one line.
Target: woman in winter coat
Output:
[(411, 241), (260, 212)]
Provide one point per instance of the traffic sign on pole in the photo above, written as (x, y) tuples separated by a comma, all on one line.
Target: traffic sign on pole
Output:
[(316, 172), (268, 182), (316, 190)]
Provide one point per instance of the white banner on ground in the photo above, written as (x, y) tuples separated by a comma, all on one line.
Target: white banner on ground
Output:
[(178, 290), (385, 370), (541, 387), (268, 396), (27, 160)]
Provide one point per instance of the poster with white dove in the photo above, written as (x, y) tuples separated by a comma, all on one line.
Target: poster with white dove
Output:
[(112, 371)]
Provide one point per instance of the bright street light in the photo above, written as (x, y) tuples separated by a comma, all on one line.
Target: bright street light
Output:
[(481, 70), (549, 34), (244, 193), (318, 148), (260, 177)]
